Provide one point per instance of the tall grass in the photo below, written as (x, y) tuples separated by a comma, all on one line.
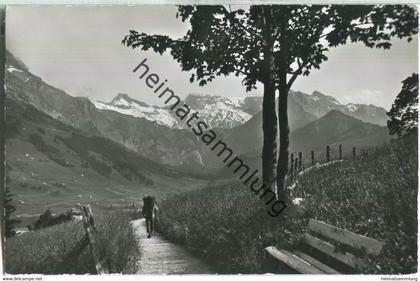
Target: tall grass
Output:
[(375, 195), (117, 242), (46, 251), (228, 226)]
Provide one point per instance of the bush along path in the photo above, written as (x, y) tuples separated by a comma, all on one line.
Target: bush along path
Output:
[(159, 256)]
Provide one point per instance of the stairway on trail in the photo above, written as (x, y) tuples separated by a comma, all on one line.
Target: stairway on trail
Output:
[(159, 256)]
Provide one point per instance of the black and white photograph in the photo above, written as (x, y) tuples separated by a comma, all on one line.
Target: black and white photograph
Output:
[(211, 139)]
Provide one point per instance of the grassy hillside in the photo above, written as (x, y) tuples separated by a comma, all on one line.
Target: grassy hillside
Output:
[(335, 128), (47, 250), (246, 137), (50, 164), (374, 195)]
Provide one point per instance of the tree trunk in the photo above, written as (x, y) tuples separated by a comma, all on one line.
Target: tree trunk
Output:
[(269, 153), (283, 88), (283, 159)]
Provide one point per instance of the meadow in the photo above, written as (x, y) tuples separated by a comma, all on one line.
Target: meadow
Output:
[(374, 195), (47, 251)]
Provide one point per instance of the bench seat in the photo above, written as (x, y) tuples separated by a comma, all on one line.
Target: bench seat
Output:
[(305, 263)]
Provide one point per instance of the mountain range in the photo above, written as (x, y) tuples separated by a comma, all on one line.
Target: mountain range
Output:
[(157, 142), (216, 111), (226, 112), (334, 128), (156, 134), (63, 149)]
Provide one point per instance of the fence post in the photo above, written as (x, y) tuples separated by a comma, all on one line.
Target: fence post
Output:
[(312, 158), (296, 164), (300, 160), (291, 162), (328, 153), (354, 153), (90, 229), (341, 152)]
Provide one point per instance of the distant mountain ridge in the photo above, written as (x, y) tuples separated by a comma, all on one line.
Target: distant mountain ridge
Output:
[(155, 132), (229, 112), (224, 112), (159, 143), (217, 111), (319, 104), (333, 129), (124, 104)]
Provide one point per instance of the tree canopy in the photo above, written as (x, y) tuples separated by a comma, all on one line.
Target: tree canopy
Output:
[(404, 112), (9, 210), (222, 41), (274, 45)]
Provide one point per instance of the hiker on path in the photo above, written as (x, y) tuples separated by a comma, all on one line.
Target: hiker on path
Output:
[(150, 213)]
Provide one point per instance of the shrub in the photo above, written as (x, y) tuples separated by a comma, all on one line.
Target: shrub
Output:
[(9, 208), (48, 219)]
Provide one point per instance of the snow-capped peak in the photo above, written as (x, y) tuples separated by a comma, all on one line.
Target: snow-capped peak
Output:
[(216, 111), (351, 107), (222, 112), (11, 69), (124, 100), (124, 104)]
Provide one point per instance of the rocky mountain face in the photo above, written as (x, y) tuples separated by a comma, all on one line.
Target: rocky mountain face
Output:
[(124, 104), (319, 104), (216, 111), (157, 142), (305, 109), (334, 128), (22, 85), (155, 132), (226, 113)]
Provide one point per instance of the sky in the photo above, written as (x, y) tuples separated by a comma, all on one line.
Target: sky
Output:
[(78, 49)]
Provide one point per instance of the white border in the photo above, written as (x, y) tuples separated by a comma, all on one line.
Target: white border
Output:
[(265, 277), (198, 2)]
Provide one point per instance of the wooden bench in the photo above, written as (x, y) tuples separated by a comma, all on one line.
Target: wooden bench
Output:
[(338, 240)]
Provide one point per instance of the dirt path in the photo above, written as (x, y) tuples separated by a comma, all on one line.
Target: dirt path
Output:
[(159, 256)]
